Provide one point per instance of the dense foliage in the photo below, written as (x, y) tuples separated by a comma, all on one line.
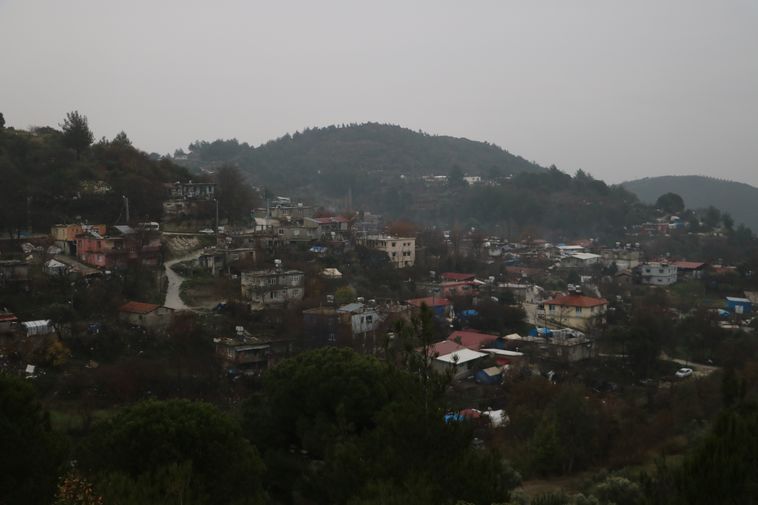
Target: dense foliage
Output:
[(49, 178)]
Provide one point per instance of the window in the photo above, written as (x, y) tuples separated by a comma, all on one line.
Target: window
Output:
[(393, 244), (578, 310), (551, 307)]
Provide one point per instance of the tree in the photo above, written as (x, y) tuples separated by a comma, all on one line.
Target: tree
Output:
[(121, 139), (235, 195), (670, 203), (728, 221), (76, 132), (2, 121), (30, 452), (455, 178), (165, 444)]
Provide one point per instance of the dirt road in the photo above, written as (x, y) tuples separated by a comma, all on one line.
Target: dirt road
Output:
[(173, 300)]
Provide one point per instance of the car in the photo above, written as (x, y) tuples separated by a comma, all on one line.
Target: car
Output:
[(683, 373), (207, 231)]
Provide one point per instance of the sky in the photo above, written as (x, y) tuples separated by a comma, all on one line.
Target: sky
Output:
[(621, 89)]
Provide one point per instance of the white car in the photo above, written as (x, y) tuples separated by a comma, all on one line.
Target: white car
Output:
[(207, 231), (683, 373)]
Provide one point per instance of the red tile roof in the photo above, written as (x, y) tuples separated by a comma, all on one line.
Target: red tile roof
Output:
[(472, 339), (8, 317), (429, 301), (576, 301), (138, 307), (444, 348), (455, 276), (688, 265)]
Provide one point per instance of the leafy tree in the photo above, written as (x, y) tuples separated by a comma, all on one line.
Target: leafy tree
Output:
[(30, 453), (455, 178), (76, 132), (2, 121), (235, 195), (728, 221), (344, 294), (121, 139), (670, 202), (158, 444)]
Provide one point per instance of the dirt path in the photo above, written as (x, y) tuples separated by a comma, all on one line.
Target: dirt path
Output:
[(173, 299)]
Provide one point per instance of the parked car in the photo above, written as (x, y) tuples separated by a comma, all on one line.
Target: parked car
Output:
[(683, 373), (207, 231)]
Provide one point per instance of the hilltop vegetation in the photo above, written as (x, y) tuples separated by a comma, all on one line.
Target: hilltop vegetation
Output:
[(738, 199), (381, 168), (62, 177)]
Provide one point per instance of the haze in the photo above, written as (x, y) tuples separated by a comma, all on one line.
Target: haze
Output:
[(620, 89)]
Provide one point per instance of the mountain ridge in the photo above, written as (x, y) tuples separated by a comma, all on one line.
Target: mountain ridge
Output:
[(699, 191)]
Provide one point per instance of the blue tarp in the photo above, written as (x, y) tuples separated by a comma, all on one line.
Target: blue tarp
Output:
[(542, 332), (482, 377)]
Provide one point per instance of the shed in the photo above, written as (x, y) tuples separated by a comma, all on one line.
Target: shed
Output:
[(56, 268), (41, 327), (738, 305)]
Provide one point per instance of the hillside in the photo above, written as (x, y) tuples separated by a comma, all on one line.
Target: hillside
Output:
[(348, 152), (736, 198), (44, 182)]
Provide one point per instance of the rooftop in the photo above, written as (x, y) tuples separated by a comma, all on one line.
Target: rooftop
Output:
[(429, 301), (456, 276), (472, 339), (576, 301), (138, 307), (461, 356)]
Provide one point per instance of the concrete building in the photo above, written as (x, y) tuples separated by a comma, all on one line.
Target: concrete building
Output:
[(146, 315), (657, 274), (572, 311), (401, 250), (193, 190), (266, 287)]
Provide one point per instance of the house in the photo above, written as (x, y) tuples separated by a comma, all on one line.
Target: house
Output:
[(737, 305), (580, 260), (193, 190), (64, 235), (462, 288), (401, 250), (573, 310), (219, 259), (328, 226), (265, 287), (116, 250), (8, 321), (470, 339), (13, 272), (625, 258), (461, 362), (457, 277), (247, 356), (554, 345), (689, 269), (441, 307), (149, 316), (356, 325), (657, 273)]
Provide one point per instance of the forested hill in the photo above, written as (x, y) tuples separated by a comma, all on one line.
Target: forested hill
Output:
[(736, 198), (369, 148), (380, 168)]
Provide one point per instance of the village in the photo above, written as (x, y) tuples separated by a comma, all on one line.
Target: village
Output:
[(297, 277)]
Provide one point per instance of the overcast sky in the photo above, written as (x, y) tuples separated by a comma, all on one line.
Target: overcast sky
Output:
[(621, 89)]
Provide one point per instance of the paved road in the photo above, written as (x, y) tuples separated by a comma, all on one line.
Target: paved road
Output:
[(173, 300)]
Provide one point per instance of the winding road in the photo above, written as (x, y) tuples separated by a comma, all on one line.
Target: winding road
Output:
[(173, 300)]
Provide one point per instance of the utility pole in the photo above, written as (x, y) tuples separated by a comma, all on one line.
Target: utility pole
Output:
[(216, 200), (29, 214)]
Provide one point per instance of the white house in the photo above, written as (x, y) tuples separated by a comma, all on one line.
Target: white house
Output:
[(658, 274)]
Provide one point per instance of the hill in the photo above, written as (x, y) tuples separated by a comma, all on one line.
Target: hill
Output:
[(736, 198), (382, 167), (322, 156), (45, 182)]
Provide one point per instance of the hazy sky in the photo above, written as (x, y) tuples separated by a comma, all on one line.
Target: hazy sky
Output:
[(622, 89)]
